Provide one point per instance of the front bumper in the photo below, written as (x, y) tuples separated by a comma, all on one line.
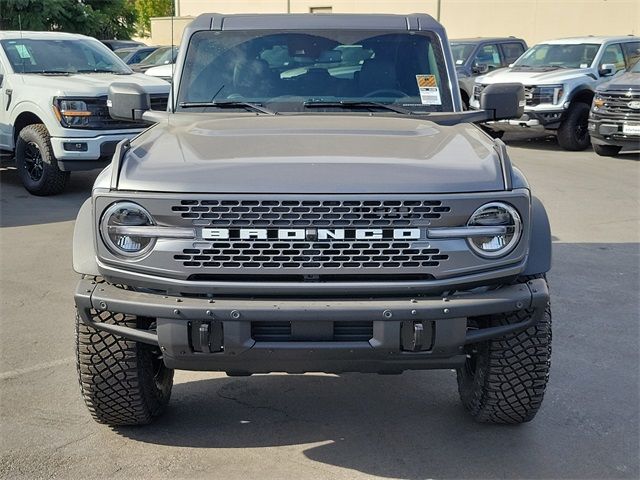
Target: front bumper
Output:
[(610, 131), (92, 152), (208, 334)]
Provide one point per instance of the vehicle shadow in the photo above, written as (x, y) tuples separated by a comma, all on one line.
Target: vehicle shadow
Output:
[(19, 208)]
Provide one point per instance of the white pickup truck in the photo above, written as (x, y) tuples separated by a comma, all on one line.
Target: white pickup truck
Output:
[(53, 105)]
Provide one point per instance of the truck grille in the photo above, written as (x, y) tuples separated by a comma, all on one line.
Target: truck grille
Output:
[(260, 254), (617, 104), (310, 213)]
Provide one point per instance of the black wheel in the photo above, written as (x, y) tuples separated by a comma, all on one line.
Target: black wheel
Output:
[(606, 150), (573, 133), (37, 167), (122, 382), (504, 379)]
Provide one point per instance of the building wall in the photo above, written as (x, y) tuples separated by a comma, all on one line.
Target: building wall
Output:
[(533, 20)]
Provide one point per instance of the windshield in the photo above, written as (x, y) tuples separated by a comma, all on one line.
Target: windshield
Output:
[(61, 56), (461, 52), (559, 55), (161, 56), (293, 69)]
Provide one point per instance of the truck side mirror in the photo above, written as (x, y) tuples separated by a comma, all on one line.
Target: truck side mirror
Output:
[(506, 100), (127, 101), (607, 69), (480, 68)]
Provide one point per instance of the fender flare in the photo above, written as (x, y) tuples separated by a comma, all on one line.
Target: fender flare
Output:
[(84, 251), (539, 260)]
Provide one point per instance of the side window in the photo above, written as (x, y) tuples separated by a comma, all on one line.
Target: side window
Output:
[(488, 55), (631, 52), (613, 54), (512, 51)]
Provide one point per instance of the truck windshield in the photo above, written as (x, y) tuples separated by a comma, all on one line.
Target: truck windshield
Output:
[(461, 52), (559, 56), (290, 70), (61, 56)]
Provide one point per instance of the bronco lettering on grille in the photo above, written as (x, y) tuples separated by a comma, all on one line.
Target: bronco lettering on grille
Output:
[(311, 234)]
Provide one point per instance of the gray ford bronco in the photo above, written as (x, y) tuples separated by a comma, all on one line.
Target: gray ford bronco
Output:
[(314, 200)]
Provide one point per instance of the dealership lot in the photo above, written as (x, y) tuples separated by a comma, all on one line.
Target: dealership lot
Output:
[(347, 426)]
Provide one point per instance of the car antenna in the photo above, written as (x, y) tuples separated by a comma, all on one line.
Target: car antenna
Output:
[(173, 63)]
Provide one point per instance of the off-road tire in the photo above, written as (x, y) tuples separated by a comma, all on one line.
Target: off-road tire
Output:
[(573, 133), (607, 150), (47, 178), (504, 379), (122, 382)]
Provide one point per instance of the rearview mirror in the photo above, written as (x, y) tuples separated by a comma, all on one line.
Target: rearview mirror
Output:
[(127, 101), (480, 68), (506, 100), (607, 69)]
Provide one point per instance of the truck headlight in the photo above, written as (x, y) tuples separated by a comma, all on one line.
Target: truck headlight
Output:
[(598, 102), (550, 93), (495, 214), (117, 234)]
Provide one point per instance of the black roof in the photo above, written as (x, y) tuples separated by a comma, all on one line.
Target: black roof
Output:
[(486, 39), (306, 21)]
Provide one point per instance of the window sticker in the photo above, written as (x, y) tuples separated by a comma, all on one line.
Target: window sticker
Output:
[(22, 51), (429, 91)]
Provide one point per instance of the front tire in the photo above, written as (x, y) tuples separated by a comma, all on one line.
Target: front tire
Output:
[(504, 379), (122, 382), (573, 133), (606, 150), (37, 166)]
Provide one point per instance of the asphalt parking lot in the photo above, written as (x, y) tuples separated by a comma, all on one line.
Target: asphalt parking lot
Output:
[(347, 426)]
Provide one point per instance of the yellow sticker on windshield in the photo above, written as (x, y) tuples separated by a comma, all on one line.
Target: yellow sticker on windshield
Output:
[(429, 91)]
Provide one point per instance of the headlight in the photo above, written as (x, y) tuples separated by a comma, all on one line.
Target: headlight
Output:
[(73, 112), (117, 234), (598, 102), (495, 214), (550, 93)]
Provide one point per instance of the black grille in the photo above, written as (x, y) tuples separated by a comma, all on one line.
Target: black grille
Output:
[(617, 104), (284, 332), (260, 254), (328, 213)]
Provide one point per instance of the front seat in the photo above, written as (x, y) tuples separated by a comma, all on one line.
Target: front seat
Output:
[(377, 74), (253, 78)]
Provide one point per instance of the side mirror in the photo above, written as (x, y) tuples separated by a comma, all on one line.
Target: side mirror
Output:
[(607, 69), (127, 101), (506, 100), (480, 68)]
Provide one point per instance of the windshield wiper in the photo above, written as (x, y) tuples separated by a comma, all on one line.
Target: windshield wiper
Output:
[(98, 70), (50, 72), (253, 107), (356, 104)]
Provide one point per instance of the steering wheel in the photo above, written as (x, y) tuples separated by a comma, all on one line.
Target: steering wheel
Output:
[(393, 92)]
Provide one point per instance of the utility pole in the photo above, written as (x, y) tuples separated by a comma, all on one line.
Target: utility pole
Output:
[(438, 11), (288, 6), (176, 8)]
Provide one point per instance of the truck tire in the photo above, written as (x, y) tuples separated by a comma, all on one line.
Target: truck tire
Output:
[(573, 133), (122, 382), (606, 150), (37, 167), (504, 379)]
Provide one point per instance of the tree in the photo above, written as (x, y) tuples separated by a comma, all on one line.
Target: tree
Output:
[(96, 18), (145, 9)]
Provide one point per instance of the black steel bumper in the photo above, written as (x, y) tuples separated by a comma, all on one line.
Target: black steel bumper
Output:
[(204, 334)]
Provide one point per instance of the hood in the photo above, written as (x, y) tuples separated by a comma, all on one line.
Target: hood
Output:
[(161, 71), (310, 153), (626, 81), (533, 76), (91, 84)]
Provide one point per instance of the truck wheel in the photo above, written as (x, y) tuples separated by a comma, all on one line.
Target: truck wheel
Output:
[(37, 167), (122, 382), (573, 133), (504, 379), (606, 150)]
